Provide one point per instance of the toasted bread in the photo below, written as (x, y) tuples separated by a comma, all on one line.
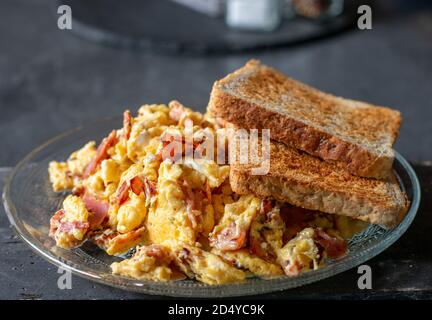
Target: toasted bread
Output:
[(357, 135), (308, 182)]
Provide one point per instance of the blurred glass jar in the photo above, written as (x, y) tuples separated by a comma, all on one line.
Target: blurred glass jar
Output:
[(313, 9), (257, 15)]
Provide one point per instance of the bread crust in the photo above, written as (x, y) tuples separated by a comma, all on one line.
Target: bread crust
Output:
[(356, 159), (307, 182)]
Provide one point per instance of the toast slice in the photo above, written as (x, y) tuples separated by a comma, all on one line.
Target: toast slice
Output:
[(308, 182), (355, 134)]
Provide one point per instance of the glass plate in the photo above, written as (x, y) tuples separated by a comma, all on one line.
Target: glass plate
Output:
[(29, 202)]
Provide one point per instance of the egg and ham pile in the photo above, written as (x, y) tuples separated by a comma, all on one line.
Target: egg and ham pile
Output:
[(181, 218)]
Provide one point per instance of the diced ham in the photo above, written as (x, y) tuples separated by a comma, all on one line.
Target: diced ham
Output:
[(198, 148), (97, 208), (102, 238), (292, 269), (161, 254), (137, 185), (55, 221), (194, 206), (173, 147), (150, 188), (109, 238), (335, 248), (154, 250), (127, 124), (101, 153), (57, 224), (78, 191), (185, 256), (266, 206), (125, 238), (172, 144), (69, 226), (230, 238), (123, 193)]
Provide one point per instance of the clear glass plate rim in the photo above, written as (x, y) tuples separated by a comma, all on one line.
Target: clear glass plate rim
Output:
[(169, 289)]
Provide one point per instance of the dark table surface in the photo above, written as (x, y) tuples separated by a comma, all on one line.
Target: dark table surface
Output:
[(51, 81)]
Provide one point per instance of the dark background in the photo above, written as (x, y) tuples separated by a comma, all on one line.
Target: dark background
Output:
[(52, 81)]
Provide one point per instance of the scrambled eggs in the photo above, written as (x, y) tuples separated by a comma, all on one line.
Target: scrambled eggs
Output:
[(181, 218)]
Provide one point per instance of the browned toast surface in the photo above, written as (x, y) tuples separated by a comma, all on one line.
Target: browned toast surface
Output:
[(355, 134), (308, 182)]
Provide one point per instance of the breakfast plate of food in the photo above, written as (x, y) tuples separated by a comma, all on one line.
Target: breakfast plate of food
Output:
[(162, 201)]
